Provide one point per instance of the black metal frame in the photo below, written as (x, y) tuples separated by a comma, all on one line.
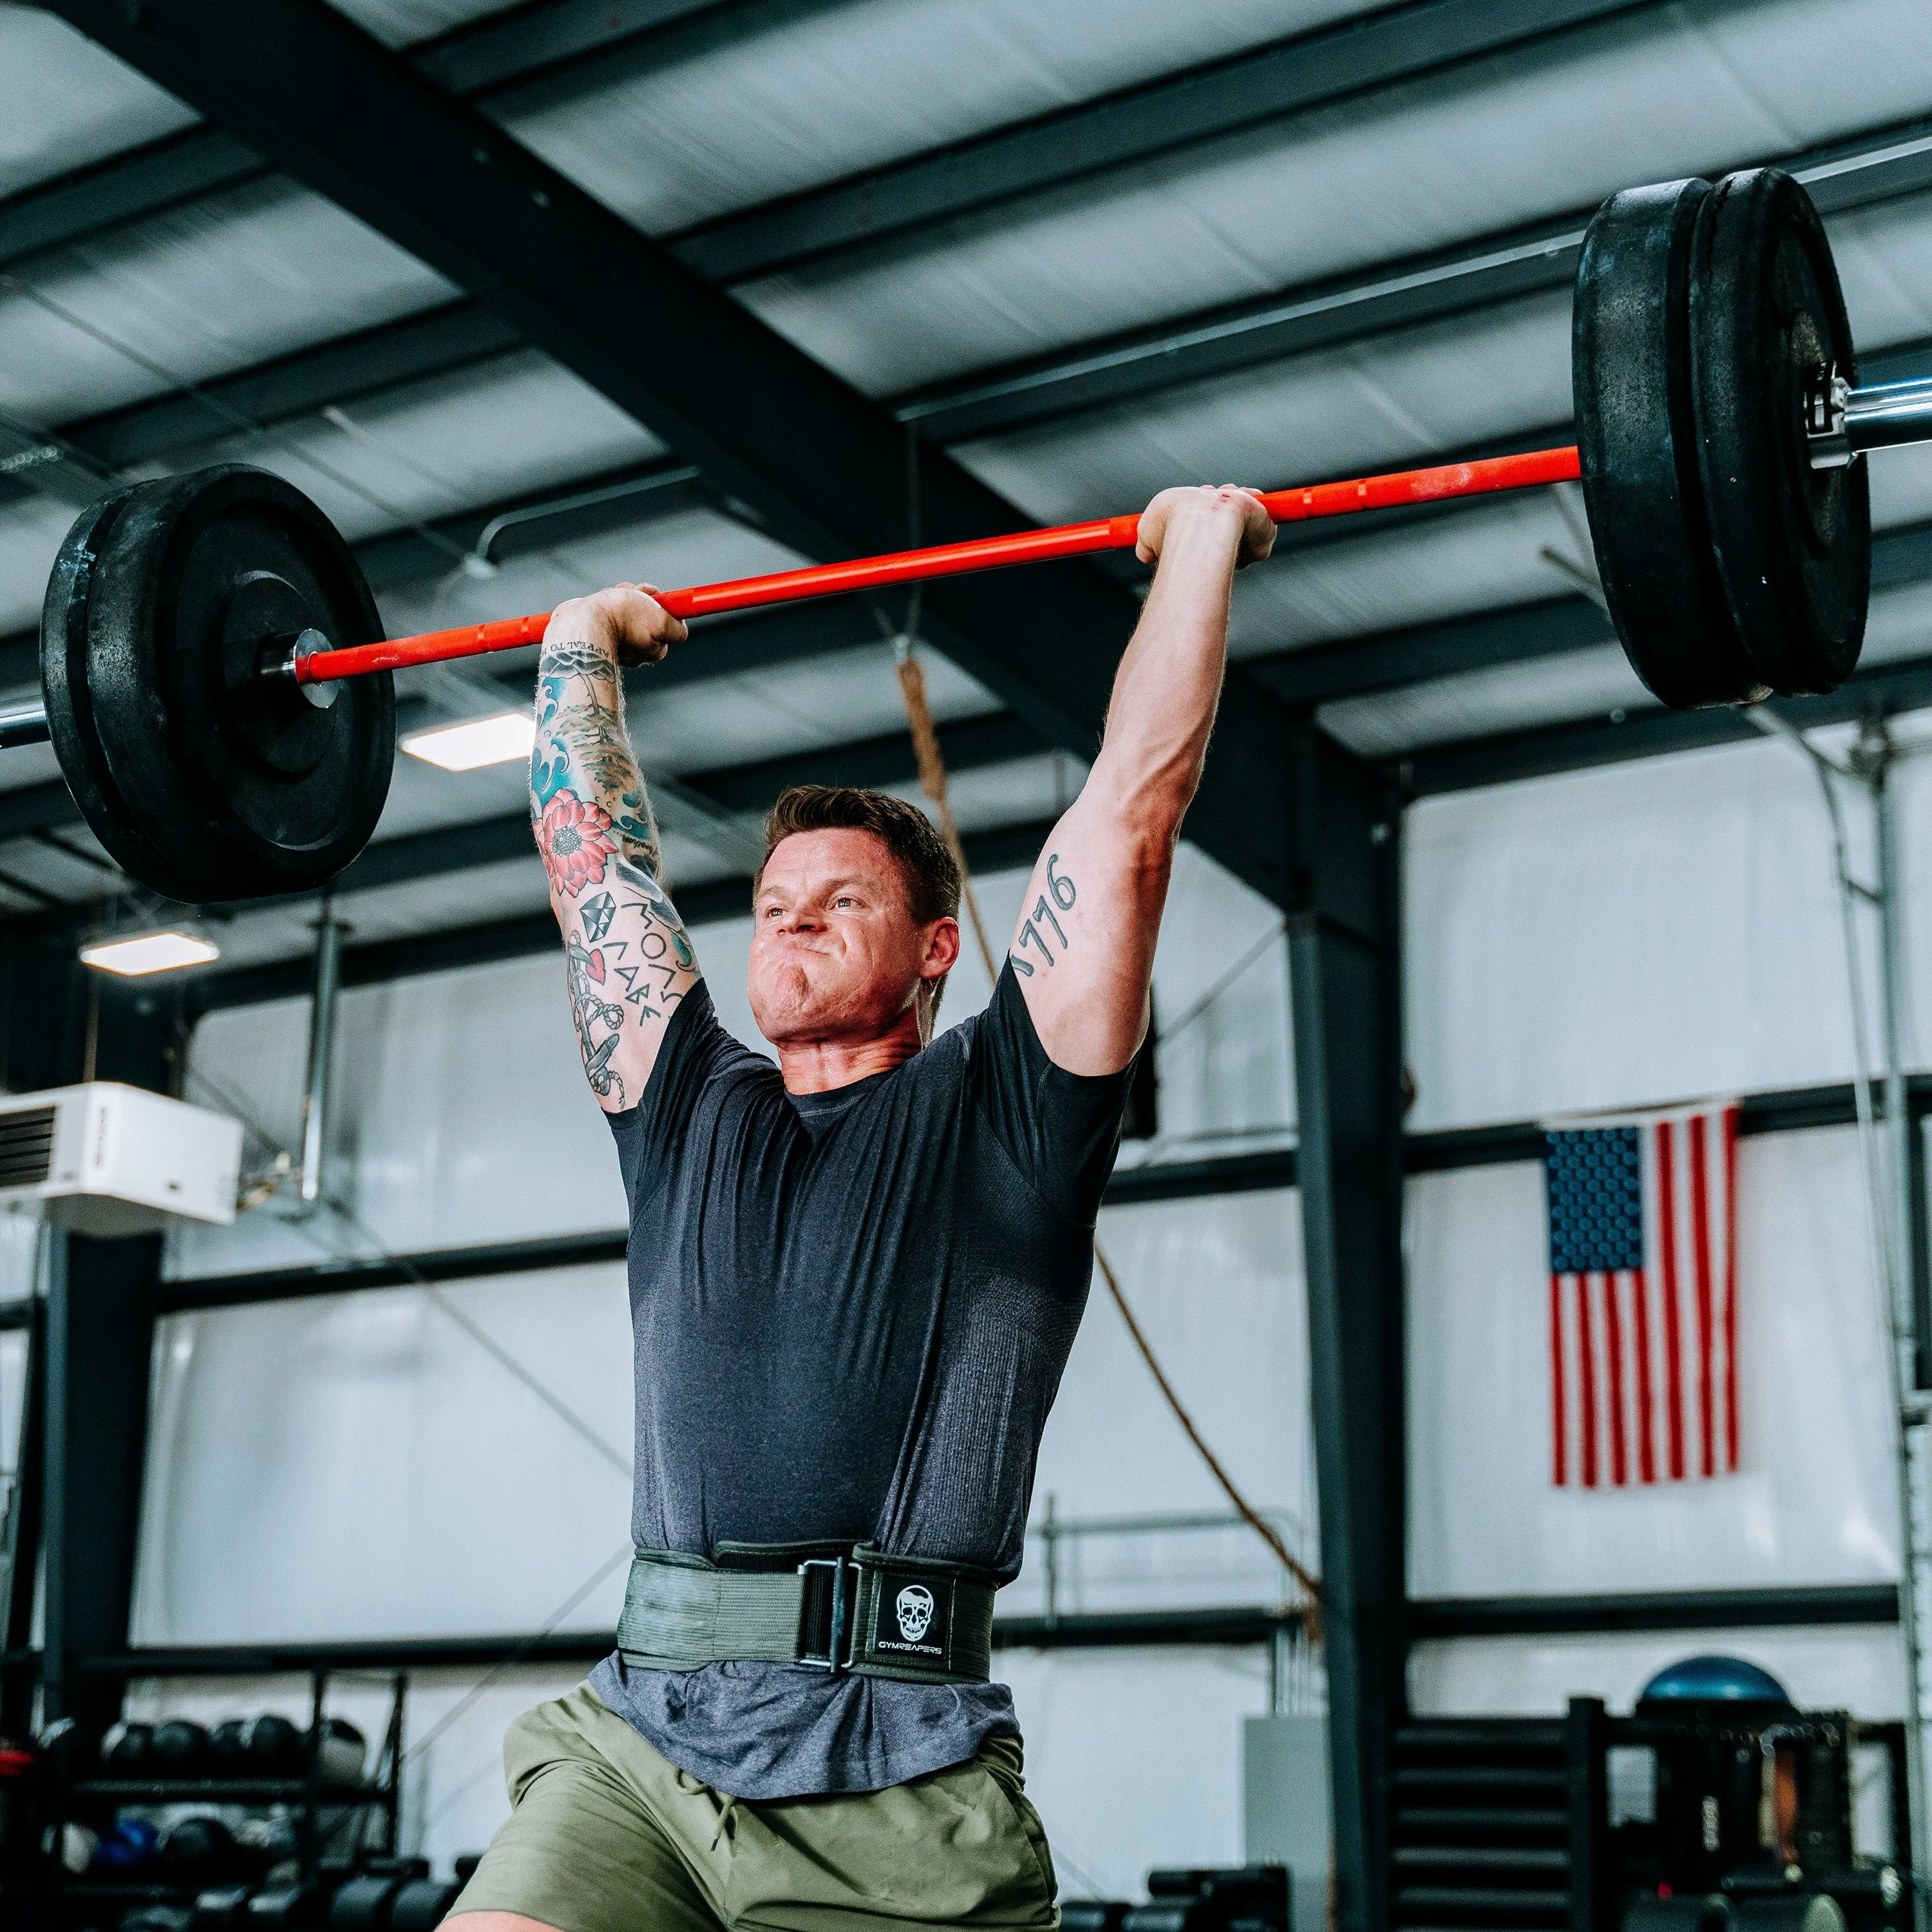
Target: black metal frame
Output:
[(1344, 964)]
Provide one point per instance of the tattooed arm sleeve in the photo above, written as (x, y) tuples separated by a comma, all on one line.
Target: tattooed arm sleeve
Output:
[(627, 960), (1083, 948)]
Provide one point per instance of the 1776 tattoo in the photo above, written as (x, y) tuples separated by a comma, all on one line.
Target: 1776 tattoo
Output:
[(1061, 892), (628, 958)]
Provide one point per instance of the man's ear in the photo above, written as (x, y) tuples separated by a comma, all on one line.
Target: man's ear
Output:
[(942, 949)]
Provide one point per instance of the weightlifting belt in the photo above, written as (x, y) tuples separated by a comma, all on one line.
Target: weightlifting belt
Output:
[(838, 1607)]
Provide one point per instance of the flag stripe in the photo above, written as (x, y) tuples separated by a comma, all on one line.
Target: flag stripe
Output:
[(1586, 1381), (1646, 1439), (1673, 1341), (1613, 1359), (1559, 1381), (1700, 1257), (1730, 1131)]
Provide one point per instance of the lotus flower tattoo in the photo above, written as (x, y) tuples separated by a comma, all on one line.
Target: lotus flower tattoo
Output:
[(575, 839)]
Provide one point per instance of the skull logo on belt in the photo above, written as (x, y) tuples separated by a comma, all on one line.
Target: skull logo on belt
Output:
[(913, 1606)]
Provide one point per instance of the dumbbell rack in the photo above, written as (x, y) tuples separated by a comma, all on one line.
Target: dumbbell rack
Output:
[(62, 1898)]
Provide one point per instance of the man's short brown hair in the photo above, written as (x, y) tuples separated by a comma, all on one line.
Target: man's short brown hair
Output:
[(931, 874)]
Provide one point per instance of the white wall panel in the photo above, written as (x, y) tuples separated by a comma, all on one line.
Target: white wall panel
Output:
[(1216, 1285), (462, 1118), (1815, 1498), (12, 1399), (1134, 1758), (358, 1465), (1650, 931)]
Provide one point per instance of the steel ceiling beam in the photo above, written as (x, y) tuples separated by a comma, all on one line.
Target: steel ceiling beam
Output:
[(1288, 79), (1360, 666), (127, 186), (345, 369), (523, 44), (1883, 690), (1879, 164)]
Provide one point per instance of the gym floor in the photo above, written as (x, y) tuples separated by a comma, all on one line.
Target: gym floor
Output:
[(1077, 252)]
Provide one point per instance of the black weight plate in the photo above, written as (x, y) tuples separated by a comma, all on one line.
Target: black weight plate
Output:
[(225, 1758), (181, 1749), (421, 1906), (362, 1905), (285, 1908), (239, 787), (128, 1750), (1793, 543), (64, 681), (271, 1747), (198, 1848), (1631, 372)]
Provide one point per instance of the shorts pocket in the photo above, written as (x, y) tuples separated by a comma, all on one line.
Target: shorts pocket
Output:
[(999, 1759)]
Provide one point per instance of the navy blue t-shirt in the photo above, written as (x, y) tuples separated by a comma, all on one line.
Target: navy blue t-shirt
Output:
[(851, 1311)]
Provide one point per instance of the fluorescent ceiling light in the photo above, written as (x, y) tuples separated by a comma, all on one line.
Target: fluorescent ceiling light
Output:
[(474, 742), (150, 952)]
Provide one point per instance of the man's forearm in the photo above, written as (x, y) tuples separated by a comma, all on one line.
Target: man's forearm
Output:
[(582, 752), (1168, 683), (628, 960)]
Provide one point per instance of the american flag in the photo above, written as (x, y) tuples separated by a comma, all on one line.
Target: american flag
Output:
[(1643, 1298)]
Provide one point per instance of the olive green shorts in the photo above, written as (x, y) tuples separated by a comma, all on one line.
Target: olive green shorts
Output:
[(604, 1834)]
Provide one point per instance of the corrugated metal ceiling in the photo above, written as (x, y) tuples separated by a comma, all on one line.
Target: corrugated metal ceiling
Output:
[(740, 103)]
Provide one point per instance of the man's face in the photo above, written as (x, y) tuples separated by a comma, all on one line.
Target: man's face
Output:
[(835, 953)]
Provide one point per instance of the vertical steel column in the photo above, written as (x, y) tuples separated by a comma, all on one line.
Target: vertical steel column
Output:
[(100, 1330), (1345, 961), (1591, 1881), (96, 1331), (23, 1540)]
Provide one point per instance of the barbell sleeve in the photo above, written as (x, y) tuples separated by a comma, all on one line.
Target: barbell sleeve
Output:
[(1889, 416), (23, 724), (1843, 422), (1526, 470)]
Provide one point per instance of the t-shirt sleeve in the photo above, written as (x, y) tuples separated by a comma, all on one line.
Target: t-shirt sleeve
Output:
[(695, 1050), (1061, 1130)]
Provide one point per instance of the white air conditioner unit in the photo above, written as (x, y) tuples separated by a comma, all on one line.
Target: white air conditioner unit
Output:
[(107, 1160)]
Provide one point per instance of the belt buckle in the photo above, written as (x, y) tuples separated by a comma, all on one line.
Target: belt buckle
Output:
[(832, 1662)]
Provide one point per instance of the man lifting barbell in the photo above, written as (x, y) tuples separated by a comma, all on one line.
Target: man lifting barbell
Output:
[(854, 1281)]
